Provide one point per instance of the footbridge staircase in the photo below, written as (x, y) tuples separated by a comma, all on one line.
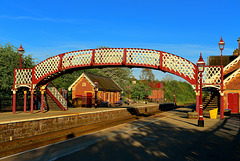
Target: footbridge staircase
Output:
[(54, 99)]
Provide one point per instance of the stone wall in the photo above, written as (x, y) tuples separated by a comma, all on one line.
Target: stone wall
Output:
[(28, 128)]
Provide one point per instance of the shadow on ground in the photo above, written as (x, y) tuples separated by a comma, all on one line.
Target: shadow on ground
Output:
[(162, 140)]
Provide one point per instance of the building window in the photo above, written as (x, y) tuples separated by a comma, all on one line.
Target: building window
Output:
[(84, 84)]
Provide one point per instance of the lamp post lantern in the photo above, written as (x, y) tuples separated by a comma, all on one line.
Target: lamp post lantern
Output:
[(201, 66), (128, 93), (221, 47), (20, 52), (146, 96), (96, 92)]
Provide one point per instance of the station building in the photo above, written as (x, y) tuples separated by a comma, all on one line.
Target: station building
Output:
[(83, 90), (231, 86)]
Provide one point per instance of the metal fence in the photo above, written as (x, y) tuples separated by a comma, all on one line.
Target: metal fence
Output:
[(6, 104)]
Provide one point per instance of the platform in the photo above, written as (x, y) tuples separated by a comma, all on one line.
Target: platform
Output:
[(9, 117), (22, 125)]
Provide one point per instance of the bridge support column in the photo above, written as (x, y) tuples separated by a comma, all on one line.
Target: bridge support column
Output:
[(14, 101), (25, 101), (31, 111), (42, 97), (222, 104)]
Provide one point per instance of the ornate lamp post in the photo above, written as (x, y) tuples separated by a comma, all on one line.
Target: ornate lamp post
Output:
[(146, 96), (96, 92), (21, 52), (128, 93), (221, 47), (201, 65)]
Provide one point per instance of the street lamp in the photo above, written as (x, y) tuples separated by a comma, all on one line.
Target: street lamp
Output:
[(146, 96), (201, 65), (128, 93), (221, 47), (96, 92), (21, 52)]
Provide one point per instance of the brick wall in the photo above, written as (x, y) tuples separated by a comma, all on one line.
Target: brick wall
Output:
[(81, 88), (157, 94), (22, 129), (234, 83), (233, 68)]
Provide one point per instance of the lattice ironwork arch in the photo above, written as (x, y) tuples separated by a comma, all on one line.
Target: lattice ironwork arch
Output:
[(58, 65)]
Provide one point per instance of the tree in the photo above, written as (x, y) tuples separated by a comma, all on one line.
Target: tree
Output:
[(9, 60), (137, 91), (183, 90), (147, 75), (120, 75)]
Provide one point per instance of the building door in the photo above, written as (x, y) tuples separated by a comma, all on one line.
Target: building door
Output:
[(89, 100), (233, 102)]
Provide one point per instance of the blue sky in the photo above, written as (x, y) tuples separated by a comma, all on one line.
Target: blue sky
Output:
[(185, 28)]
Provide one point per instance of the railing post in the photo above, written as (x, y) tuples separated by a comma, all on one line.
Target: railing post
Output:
[(60, 62), (42, 97), (25, 101), (31, 111), (93, 58), (14, 101), (124, 57), (160, 61)]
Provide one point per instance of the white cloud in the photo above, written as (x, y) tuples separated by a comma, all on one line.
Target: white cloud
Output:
[(56, 20)]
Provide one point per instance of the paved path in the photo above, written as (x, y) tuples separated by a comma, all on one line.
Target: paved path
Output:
[(165, 136)]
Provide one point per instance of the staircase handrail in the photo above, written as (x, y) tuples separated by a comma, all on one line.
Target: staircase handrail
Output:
[(58, 96), (235, 61), (229, 78)]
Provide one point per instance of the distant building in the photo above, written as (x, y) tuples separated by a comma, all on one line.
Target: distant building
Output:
[(83, 90), (157, 92)]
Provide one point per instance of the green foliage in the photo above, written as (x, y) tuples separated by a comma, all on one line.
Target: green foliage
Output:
[(67, 79), (184, 92), (120, 75), (9, 60), (137, 91)]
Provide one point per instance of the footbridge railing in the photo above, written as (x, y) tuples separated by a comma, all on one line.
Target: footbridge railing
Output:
[(129, 57)]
